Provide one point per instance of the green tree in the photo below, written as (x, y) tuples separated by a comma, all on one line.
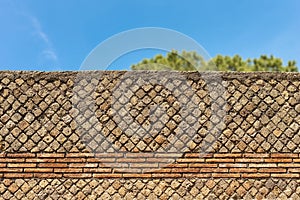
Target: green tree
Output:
[(191, 61), (187, 61)]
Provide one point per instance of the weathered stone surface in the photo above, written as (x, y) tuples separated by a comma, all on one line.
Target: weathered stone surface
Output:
[(152, 189), (153, 112), (49, 98)]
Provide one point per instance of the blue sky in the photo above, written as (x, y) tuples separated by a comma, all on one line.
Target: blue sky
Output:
[(58, 35)]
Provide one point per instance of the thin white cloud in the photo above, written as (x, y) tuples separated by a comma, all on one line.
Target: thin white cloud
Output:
[(50, 55), (49, 52), (38, 30)]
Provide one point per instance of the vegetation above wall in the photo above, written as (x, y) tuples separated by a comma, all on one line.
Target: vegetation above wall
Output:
[(192, 61)]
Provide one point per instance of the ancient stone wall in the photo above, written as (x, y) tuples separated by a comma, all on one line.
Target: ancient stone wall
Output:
[(149, 135)]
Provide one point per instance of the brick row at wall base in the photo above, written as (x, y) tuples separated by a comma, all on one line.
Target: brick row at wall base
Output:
[(149, 165)]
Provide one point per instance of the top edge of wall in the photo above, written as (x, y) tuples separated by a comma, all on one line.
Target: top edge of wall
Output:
[(191, 74)]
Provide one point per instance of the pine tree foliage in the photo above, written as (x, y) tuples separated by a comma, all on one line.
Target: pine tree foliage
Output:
[(191, 61)]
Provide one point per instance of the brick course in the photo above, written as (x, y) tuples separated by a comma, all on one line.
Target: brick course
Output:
[(237, 166)]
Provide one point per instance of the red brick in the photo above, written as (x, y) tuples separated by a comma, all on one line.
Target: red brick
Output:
[(78, 175), (227, 155), (11, 170), (17, 175), (195, 175), (171, 165), (136, 175), (256, 175), (102, 160), (229, 165), (166, 175), (109, 155), (47, 175), (243, 170), (144, 165), (83, 165), (190, 160), (278, 160), (67, 170), (185, 170), (210, 170), (284, 155), (285, 175), (38, 170), (160, 160), (21, 165), (2, 165), (71, 160), (50, 155), (52, 165), (139, 155), (255, 155), (262, 165), (225, 175), (97, 170), (130, 160), (198, 155), (165, 170), (249, 160), (128, 170), (20, 155), (219, 160), (114, 165), (295, 170), (107, 175), (288, 164), (192, 155), (206, 155), (272, 170), (40, 160), (80, 155), (10, 160), (202, 165), (168, 155)]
